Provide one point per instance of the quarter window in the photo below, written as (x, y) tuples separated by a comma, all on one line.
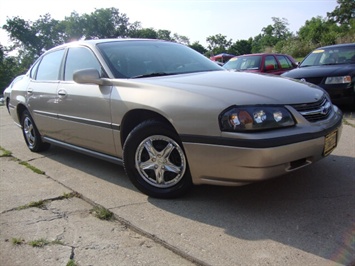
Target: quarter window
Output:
[(79, 58), (50, 65), (284, 61)]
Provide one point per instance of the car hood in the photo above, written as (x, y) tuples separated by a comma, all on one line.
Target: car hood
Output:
[(320, 71), (229, 88)]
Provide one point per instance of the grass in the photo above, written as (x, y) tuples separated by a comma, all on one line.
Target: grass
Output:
[(39, 243), (71, 195), (5, 153), (71, 263), (31, 167), (102, 213), (33, 204), (17, 241)]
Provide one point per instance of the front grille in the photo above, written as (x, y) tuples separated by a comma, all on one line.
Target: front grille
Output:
[(314, 80), (316, 111)]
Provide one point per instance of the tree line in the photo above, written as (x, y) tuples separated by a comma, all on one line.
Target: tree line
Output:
[(30, 39)]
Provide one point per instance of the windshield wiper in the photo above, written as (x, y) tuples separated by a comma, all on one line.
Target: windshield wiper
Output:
[(155, 74)]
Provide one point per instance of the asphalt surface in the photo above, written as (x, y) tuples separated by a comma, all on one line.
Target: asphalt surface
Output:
[(303, 218)]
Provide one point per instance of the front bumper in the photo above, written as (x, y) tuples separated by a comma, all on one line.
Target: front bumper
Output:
[(235, 165), (340, 93)]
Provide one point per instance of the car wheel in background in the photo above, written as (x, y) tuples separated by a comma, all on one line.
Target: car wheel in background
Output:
[(155, 161)]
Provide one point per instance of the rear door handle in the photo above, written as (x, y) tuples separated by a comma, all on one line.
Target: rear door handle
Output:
[(29, 90)]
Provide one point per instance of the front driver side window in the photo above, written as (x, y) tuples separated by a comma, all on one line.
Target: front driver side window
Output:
[(50, 65), (79, 58)]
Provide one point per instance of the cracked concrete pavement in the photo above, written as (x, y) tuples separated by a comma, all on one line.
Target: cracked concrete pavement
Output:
[(304, 218), (76, 234)]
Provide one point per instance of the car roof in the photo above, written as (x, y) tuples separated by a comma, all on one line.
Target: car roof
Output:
[(96, 41), (337, 45), (258, 54)]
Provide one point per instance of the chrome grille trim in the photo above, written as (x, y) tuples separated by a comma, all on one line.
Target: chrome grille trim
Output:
[(316, 111)]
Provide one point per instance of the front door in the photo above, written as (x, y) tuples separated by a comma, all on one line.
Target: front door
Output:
[(84, 114)]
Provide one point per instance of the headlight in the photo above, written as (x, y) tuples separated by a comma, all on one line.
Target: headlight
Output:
[(338, 80), (252, 118)]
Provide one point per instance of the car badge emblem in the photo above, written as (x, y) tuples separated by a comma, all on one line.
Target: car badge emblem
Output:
[(303, 79)]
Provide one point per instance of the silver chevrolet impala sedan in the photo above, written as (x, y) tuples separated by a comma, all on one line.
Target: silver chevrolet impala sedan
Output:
[(170, 116)]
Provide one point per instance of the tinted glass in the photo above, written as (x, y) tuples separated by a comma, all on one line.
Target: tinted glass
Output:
[(129, 59), (244, 63), (284, 61), (79, 58), (330, 56), (270, 60), (50, 65)]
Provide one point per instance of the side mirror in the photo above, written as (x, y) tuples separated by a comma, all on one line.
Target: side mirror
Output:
[(88, 76), (269, 67)]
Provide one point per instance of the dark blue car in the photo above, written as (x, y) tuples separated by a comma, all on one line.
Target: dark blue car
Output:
[(333, 69)]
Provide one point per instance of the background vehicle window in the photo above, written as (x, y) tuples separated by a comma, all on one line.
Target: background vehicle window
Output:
[(284, 61), (270, 60), (79, 58), (49, 66)]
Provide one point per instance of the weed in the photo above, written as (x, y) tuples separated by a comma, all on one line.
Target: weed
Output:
[(33, 204), (5, 153), (34, 169), (57, 242), (102, 213), (71, 195), (71, 263), (17, 241), (39, 243)]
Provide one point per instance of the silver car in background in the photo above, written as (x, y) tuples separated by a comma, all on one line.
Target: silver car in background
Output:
[(170, 116)]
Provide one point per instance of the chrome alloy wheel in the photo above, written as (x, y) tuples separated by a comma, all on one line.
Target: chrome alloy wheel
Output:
[(160, 161), (29, 132)]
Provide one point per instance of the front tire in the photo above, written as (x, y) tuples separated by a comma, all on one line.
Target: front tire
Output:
[(155, 161), (31, 134)]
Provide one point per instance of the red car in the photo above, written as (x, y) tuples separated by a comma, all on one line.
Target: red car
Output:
[(262, 63)]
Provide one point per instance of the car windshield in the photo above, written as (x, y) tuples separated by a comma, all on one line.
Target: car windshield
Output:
[(330, 56), (137, 59), (243, 63)]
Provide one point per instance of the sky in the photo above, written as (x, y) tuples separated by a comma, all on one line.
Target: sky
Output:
[(195, 19)]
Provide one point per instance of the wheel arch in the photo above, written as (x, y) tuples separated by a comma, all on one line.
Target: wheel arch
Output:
[(20, 109), (137, 116)]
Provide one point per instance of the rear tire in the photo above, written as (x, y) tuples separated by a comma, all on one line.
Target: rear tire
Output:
[(155, 161), (31, 134)]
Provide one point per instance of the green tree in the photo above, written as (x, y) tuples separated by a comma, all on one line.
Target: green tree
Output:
[(181, 39), (198, 47), (146, 33), (271, 35), (218, 44), (164, 35), (241, 47), (105, 23), (343, 13), (314, 32)]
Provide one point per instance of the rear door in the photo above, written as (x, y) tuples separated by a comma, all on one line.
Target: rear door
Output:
[(84, 114), (42, 92)]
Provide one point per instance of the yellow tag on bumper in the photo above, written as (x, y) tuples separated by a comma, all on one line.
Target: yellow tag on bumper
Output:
[(330, 142)]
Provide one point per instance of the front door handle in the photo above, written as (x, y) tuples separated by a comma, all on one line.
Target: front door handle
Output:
[(62, 92)]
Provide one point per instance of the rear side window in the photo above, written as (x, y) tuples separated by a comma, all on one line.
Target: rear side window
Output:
[(270, 60), (50, 65), (79, 58), (284, 61)]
